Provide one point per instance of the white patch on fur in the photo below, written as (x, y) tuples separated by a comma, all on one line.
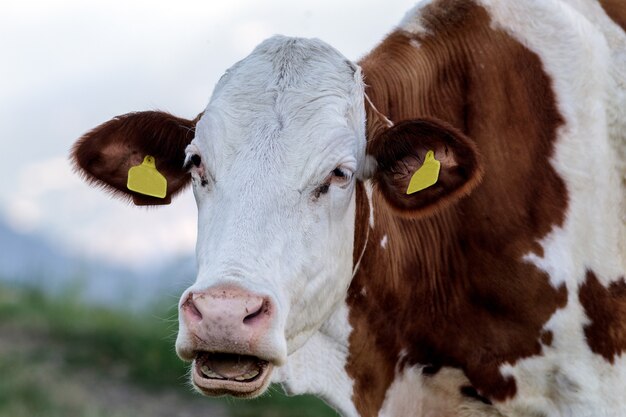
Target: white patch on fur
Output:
[(412, 394), (616, 89), (383, 242), (415, 43), (369, 191), (568, 379), (412, 21), (319, 366), (369, 168), (261, 223)]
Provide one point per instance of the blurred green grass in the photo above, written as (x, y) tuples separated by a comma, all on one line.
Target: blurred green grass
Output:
[(59, 357)]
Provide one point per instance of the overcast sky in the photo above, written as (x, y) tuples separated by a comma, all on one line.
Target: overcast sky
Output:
[(68, 66)]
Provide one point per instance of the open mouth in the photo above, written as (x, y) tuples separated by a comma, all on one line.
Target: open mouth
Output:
[(227, 373)]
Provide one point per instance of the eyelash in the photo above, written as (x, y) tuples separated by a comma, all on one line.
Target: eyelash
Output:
[(336, 173)]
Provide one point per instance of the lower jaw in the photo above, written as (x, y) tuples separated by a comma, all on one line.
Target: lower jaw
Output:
[(219, 387)]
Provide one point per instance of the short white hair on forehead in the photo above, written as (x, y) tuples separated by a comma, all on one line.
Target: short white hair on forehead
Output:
[(298, 81), (292, 63)]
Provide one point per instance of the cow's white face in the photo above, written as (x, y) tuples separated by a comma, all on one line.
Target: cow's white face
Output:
[(274, 164)]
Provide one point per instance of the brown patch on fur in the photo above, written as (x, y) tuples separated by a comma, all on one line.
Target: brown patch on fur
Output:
[(452, 289), (547, 337), (362, 213), (616, 10), (104, 155), (606, 309)]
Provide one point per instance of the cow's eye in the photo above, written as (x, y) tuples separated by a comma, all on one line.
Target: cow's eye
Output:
[(192, 160), (337, 176), (338, 172)]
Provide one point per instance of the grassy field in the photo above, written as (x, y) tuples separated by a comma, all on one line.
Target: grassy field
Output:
[(60, 358)]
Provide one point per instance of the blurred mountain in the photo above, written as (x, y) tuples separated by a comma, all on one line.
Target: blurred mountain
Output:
[(31, 260)]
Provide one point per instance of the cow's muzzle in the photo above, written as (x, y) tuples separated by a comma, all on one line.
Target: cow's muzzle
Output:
[(227, 336)]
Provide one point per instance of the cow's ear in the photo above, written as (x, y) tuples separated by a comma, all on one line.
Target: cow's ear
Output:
[(105, 154), (403, 149)]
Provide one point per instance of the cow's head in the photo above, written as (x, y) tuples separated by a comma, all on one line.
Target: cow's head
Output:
[(273, 163)]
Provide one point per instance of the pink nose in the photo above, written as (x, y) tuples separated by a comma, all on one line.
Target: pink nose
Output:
[(227, 319)]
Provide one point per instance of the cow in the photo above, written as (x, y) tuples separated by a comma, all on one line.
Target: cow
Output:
[(495, 289)]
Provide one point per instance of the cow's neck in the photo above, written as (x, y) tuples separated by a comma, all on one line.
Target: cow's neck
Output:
[(318, 367), (412, 274)]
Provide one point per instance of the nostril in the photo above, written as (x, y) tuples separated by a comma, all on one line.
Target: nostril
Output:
[(256, 314), (189, 307)]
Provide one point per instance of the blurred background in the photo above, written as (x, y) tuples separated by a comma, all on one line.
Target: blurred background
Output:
[(88, 284)]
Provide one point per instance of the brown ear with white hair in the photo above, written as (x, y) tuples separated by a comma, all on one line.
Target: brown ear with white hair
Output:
[(401, 150), (104, 155)]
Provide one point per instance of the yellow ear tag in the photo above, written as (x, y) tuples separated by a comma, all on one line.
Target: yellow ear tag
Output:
[(426, 175), (145, 179)]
